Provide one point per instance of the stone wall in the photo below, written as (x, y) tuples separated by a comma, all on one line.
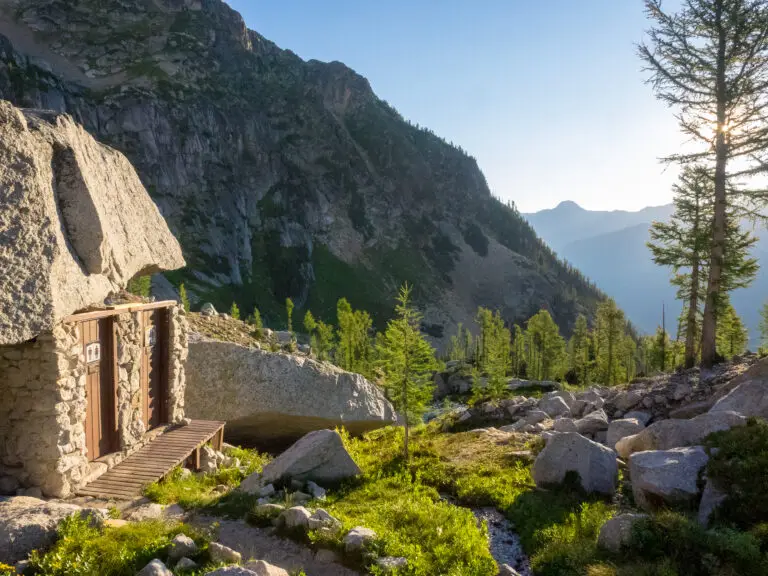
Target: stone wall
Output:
[(177, 361), (42, 413), (43, 405)]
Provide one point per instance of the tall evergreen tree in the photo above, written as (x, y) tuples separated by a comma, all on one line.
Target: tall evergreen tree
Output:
[(710, 61), (183, 297), (518, 352), (546, 348), (612, 324), (732, 335), (683, 244), (579, 350), (497, 341), (353, 352), (406, 361)]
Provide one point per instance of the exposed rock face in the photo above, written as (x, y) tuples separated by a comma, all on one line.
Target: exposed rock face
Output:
[(668, 434), (711, 499), (319, 456), (28, 524), (76, 225), (277, 173), (268, 397), (666, 477), (569, 452)]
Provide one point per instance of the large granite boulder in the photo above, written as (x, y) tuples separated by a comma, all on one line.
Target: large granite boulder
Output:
[(668, 434), (76, 223), (619, 429), (319, 456), (749, 395), (554, 406), (271, 398), (28, 524), (570, 452), (666, 477)]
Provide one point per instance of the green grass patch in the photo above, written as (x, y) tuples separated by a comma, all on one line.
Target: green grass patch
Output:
[(83, 549), (198, 490)]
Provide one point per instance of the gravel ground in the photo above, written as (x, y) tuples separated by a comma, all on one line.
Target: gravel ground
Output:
[(504, 541)]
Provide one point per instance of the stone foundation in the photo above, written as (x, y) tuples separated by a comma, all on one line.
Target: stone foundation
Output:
[(43, 405)]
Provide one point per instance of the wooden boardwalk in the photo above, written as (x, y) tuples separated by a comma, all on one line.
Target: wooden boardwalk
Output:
[(153, 461)]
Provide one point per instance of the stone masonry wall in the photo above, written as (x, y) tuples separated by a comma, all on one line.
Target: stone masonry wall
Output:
[(130, 425), (42, 413), (177, 360), (43, 405)]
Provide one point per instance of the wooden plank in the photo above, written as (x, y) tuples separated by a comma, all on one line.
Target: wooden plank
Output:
[(117, 309)]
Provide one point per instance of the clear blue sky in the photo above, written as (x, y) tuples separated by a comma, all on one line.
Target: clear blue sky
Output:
[(548, 95)]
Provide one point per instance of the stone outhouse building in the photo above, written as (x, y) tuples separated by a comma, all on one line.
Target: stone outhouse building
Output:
[(88, 374)]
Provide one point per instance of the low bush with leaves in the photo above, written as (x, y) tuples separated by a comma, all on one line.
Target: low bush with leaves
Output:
[(84, 549)]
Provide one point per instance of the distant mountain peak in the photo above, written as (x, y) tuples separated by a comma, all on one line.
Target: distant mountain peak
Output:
[(568, 205)]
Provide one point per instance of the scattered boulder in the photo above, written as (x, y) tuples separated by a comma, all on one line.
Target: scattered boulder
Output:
[(667, 434), (507, 570), (666, 477), (564, 425), (265, 569), (691, 410), (295, 518), (28, 524), (619, 429), (319, 456), (231, 571), (626, 400), (208, 309), (617, 532), (149, 511), (220, 553), (65, 246), (554, 406), (185, 564), (642, 417), (321, 519), (272, 398), (317, 492), (155, 568), (749, 397), (357, 538), (711, 499), (569, 452), (592, 423), (182, 545), (268, 510)]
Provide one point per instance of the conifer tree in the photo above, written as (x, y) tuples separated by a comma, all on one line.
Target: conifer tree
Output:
[(683, 244), (764, 325), (732, 335), (460, 346), (183, 298), (289, 313), (234, 311), (710, 61), (579, 350), (518, 352), (354, 352), (320, 336), (497, 358), (545, 346), (255, 321), (406, 361), (612, 323)]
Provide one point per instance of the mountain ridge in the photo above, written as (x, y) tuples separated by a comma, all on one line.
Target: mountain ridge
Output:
[(282, 177)]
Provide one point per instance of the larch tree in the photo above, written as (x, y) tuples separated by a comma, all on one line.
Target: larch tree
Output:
[(518, 351), (612, 324), (546, 347), (579, 350), (732, 335), (353, 351), (406, 362), (683, 244), (709, 60)]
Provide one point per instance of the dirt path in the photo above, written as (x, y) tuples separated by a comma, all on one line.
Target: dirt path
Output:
[(261, 544)]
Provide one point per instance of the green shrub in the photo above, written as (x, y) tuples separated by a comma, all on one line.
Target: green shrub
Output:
[(85, 550), (739, 466), (686, 547)]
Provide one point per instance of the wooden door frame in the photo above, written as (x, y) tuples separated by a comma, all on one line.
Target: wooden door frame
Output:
[(107, 383)]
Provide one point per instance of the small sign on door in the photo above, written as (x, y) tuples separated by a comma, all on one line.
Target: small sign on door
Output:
[(150, 336), (92, 352)]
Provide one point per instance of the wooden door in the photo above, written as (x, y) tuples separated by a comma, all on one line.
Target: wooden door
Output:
[(153, 367), (95, 337)]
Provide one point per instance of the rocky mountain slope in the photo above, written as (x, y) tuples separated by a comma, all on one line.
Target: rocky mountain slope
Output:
[(280, 177)]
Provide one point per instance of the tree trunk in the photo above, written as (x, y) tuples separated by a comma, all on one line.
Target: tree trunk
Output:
[(690, 328), (709, 325), (406, 375)]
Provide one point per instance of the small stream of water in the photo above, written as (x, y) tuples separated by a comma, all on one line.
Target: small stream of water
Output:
[(504, 542)]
